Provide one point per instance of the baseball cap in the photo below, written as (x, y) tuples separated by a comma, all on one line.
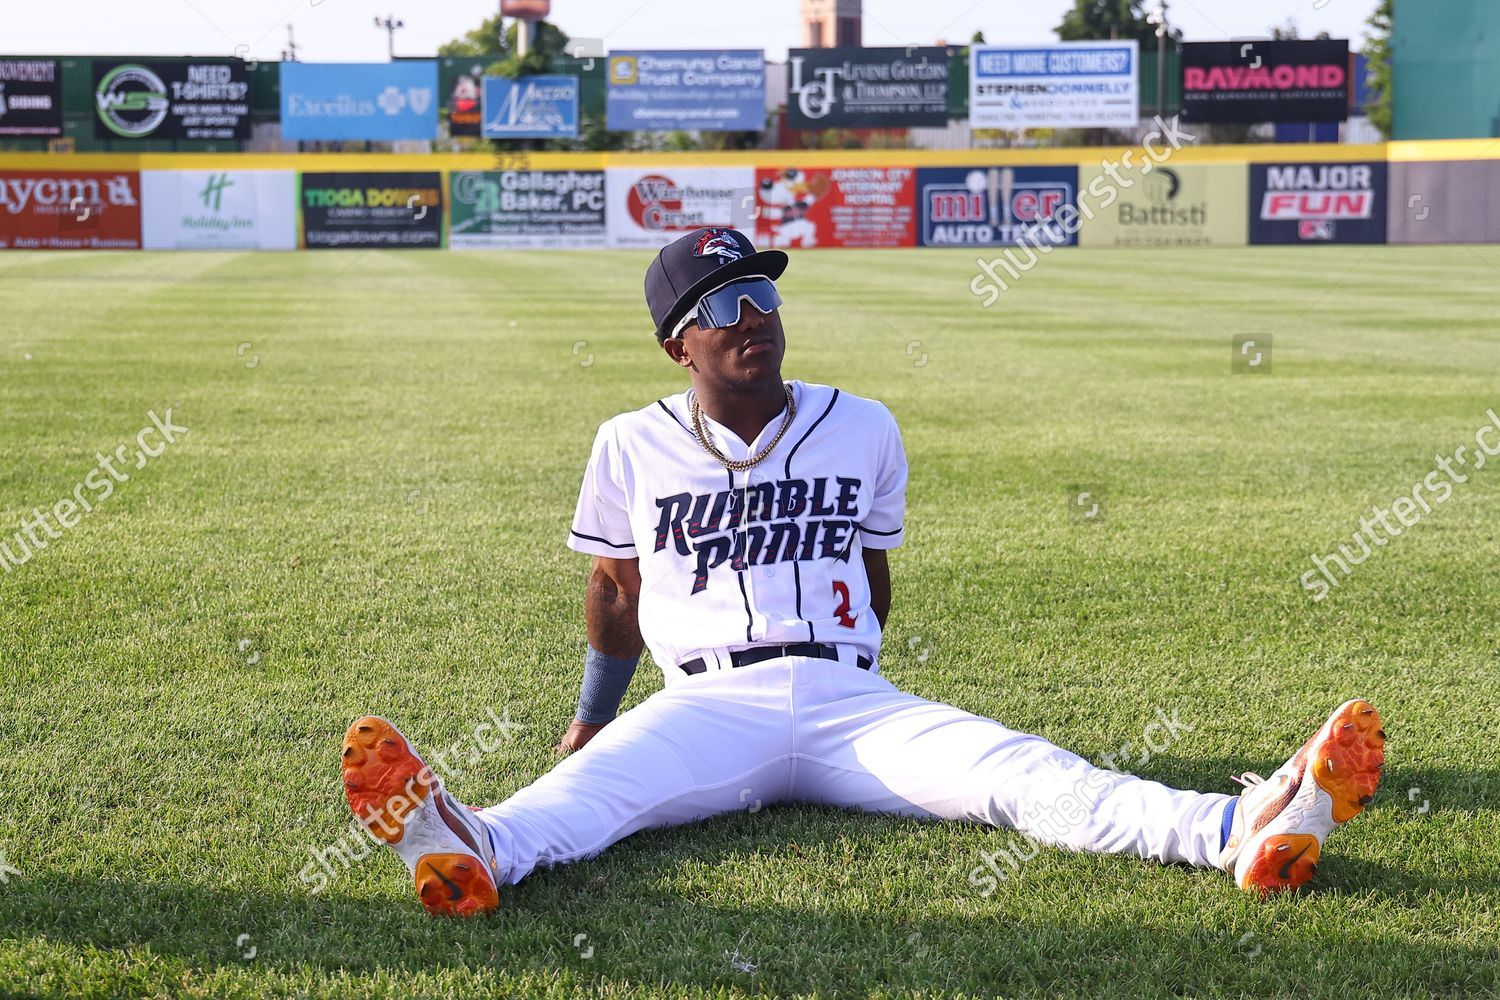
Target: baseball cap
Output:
[(692, 266)]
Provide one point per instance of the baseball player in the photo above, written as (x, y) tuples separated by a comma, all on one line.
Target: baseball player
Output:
[(741, 530)]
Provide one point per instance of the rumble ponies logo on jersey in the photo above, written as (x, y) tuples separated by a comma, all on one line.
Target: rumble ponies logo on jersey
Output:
[(790, 520)]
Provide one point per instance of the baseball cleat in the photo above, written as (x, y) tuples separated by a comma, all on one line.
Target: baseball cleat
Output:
[(1280, 822), (402, 803)]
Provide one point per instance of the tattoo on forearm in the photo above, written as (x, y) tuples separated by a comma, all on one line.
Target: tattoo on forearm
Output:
[(613, 625)]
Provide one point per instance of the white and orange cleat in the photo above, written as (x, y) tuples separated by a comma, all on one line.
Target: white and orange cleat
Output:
[(402, 803), (1280, 823)]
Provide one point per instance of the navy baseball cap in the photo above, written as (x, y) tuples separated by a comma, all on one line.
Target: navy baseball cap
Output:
[(690, 267)]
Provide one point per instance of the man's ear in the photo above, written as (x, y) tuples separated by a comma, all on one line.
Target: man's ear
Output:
[(676, 348)]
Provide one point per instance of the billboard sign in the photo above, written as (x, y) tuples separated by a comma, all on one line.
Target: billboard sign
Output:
[(218, 210), (721, 90), (530, 107), (867, 88), (836, 207), (1318, 202), (1066, 85), (1265, 81), (464, 102), (1184, 205), (359, 101), (536, 209), (30, 97), (69, 210), (367, 210), (996, 206), (183, 99), (651, 207)]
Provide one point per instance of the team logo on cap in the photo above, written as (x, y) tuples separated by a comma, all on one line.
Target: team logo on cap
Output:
[(720, 243)]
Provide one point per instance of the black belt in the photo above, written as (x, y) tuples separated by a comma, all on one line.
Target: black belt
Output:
[(759, 654)]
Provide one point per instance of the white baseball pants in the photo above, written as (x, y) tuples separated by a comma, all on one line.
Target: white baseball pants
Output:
[(818, 731)]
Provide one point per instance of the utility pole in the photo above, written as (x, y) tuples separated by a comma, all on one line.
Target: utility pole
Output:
[(1158, 17), (289, 54), (390, 24)]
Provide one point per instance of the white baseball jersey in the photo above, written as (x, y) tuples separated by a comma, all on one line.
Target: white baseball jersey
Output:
[(736, 559)]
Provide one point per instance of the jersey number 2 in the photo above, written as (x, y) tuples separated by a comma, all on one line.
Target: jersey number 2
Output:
[(841, 591)]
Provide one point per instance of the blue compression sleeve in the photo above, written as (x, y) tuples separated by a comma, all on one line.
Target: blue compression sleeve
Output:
[(605, 679)]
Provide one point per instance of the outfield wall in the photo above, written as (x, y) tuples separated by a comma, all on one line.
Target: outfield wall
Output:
[(1403, 192)]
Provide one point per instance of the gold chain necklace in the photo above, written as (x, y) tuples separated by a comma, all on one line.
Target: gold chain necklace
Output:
[(742, 464)]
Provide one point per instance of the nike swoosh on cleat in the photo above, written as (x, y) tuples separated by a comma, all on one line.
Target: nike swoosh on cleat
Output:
[(455, 893), (1284, 874)]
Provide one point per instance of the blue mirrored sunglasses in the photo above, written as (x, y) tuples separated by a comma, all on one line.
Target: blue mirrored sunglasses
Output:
[(720, 308)]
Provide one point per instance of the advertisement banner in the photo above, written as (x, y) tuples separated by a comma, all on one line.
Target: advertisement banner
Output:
[(185, 99), (359, 101), (531, 107), (721, 90), (1186, 205), (867, 88), (651, 207), (464, 96), (996, 206), (1318, 202), (1066, 85), (30, 97), (218, 210), (534, 210), (1266, 81), (836, 207), (69, 210), (372, 210)]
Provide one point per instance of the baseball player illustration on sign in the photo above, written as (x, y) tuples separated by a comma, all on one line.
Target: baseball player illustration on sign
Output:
[(741, 530)]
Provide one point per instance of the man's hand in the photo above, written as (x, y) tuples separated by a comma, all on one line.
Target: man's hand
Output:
[(577, 735)]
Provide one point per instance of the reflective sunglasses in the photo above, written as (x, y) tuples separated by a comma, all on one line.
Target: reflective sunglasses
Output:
[(720, 308)]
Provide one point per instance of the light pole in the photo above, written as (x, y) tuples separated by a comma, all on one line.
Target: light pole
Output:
[(1158, 17), (390, 24)]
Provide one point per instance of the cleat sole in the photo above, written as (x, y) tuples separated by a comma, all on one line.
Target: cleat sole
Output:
[(455, 885), (1282, 863), (1348, 757), (384, 779)]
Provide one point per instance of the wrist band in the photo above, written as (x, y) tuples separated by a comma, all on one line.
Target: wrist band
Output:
[(605, 679)]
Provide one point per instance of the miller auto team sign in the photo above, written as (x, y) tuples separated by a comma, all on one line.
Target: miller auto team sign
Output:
[(1265, 81)]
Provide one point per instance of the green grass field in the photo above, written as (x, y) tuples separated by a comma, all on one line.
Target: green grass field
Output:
[(368, 515)]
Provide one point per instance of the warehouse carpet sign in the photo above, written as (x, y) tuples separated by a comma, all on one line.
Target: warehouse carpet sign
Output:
[(372, 210)]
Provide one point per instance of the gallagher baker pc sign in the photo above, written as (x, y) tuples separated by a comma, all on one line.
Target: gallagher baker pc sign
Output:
[(357, 101), (1068, 85)]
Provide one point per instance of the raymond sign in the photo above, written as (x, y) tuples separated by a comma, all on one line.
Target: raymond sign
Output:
[(1265, 81), (69, 210)]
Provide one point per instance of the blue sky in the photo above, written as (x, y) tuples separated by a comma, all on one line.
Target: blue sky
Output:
[(343, 30)]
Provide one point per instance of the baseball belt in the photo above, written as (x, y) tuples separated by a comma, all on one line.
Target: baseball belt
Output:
[(759, 654)]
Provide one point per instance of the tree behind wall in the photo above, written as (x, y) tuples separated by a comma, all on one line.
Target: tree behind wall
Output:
[(1092, 20), (1377, 51)]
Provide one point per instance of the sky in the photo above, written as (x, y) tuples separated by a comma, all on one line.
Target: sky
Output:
[(344, 30)]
